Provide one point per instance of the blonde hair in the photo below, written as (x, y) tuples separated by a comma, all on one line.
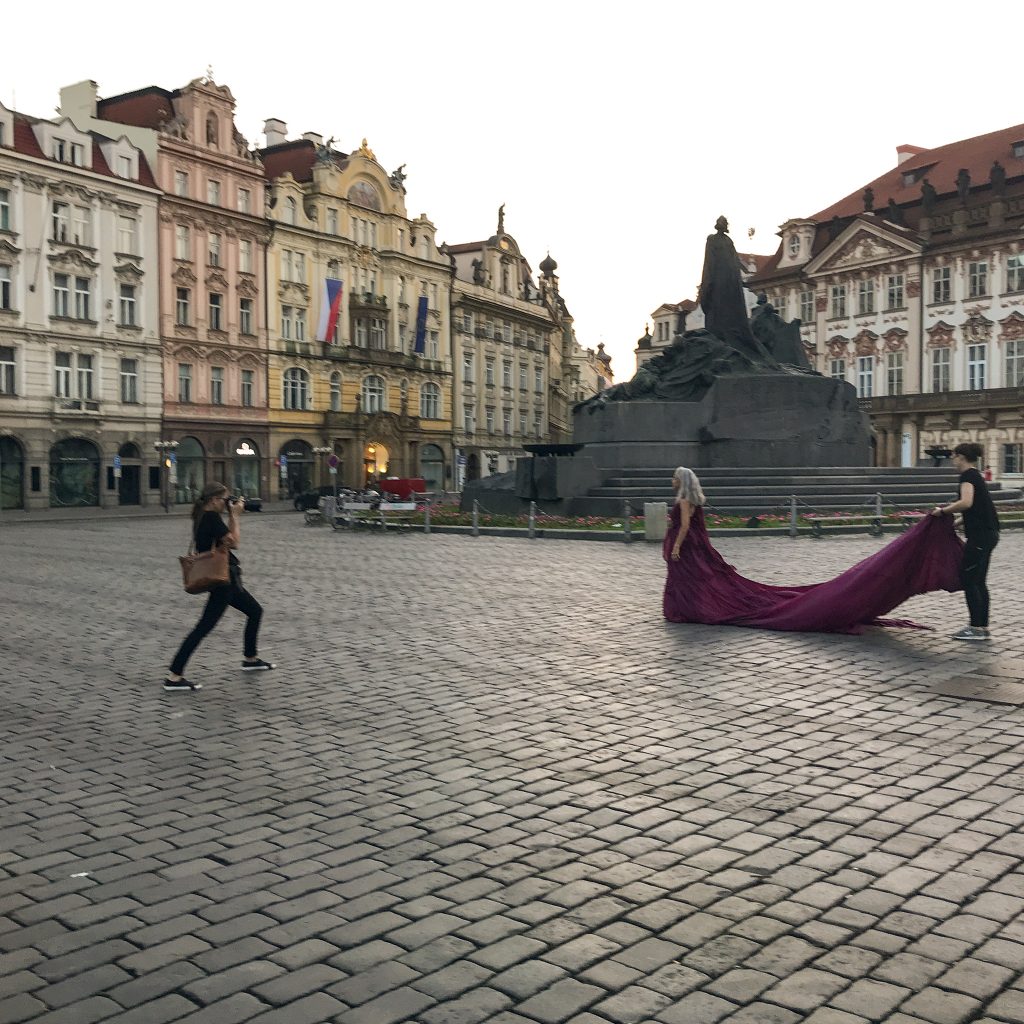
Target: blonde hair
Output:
[(688, 486)]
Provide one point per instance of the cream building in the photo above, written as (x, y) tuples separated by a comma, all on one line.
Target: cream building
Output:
[(366, 393), (80, 368), (519, 367), (912, 289)]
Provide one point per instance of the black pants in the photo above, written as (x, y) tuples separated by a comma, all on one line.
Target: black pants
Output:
[(973, 573), (233, 595)]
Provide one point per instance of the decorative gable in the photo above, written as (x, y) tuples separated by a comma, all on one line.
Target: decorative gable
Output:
[(863, 244)]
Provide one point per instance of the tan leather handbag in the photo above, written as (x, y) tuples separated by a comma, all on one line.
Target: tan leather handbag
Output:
[(203, 570)]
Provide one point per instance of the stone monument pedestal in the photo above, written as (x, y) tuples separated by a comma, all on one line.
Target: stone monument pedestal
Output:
[(743, 420)]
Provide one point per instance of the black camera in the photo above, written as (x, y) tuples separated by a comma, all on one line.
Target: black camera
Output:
[(234, 499)]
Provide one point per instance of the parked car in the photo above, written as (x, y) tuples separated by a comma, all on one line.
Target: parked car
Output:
[(253, 504), (310, 499)]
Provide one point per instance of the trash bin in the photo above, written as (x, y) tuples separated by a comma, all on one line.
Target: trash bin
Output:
[(655, 520)]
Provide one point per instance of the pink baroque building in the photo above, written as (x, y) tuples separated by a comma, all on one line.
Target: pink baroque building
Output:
[(212, 241)]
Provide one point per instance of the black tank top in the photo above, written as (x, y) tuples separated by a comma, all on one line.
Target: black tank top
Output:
[(980, 519)]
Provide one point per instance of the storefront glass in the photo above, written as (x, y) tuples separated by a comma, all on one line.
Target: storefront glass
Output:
[(191, 470), (299, 471), (74, 474), (245, 475), (12, 474), (432, 467)]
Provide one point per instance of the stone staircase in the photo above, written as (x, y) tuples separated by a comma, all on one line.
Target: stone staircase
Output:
[(762, 491)]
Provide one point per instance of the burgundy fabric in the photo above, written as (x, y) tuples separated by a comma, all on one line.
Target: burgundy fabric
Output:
[(703, 587)]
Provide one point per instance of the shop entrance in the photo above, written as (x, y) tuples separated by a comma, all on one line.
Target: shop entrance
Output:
[(375, 462)]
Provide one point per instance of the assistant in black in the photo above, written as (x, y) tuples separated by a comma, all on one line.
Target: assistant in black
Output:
[(209, 529), (981, 529)]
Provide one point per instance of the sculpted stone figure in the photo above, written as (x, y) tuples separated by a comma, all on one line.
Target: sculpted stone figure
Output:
[(721, 296), (997, 178), (869, 199), (929, 196), (963, 184)]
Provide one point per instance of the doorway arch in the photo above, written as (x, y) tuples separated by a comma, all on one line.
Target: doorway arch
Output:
[(375, 461), (432, 467)]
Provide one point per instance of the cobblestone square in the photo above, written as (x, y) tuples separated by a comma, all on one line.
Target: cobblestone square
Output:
[(487, 782)]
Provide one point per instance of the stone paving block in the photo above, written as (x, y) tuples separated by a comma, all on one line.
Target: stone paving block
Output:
[(1008, 1006), (294, 984), (806, 989), (697, 1008), (479, 1005), (942, 1007), (233, 1010), (741, 985), (367, 985), (525, 979), (314, 1009), (215, 988), (560, 1002), (632, 1004), (872, 999), (20, 1007), (390, 1008)]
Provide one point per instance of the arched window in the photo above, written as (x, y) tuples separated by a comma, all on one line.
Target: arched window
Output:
[(335, 392), (373, 394), (296, 389), (74, 473), (211, 130), (430, 401), (289, 210)]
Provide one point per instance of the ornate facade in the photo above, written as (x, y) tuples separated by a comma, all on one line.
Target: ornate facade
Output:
[(80, 399), (383, 408), (920, 302), (212, 240), (519, 366)]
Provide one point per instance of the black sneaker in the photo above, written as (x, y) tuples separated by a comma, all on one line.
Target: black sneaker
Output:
[(174, 685), (259, 665)]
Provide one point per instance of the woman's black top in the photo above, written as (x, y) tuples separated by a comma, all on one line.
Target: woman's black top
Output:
[(980, 520), (210, 529)]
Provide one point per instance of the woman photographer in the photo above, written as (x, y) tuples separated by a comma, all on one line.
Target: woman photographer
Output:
[(209, 528)]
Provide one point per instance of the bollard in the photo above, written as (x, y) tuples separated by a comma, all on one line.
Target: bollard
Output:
[(627, 523), (532, 521), (792, 516), (426, 516), (476, 518), (878, 505)]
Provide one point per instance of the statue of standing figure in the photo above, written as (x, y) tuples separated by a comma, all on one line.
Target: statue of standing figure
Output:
[(721, 297)]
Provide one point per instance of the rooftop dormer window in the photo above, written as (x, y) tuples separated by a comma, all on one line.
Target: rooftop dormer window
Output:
[(69, 152), (1018, 149), (124, 168)]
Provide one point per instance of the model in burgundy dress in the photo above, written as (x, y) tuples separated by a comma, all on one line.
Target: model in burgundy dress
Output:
[(702, 587)]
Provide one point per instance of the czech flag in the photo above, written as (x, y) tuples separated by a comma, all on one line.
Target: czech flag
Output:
[(330, 310)]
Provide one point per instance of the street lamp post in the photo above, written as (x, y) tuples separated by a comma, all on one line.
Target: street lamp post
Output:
[(165, 449)]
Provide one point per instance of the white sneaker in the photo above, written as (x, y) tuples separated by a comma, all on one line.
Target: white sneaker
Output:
[(971, 633)]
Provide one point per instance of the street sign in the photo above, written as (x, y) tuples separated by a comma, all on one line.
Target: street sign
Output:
[(284, 467), (332, 461), (117, 467), (333, 470)]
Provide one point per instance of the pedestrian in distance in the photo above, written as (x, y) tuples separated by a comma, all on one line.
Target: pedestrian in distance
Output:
[(208, 529), (981, 528)]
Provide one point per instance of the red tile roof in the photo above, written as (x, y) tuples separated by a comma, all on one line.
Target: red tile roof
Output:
[(144, 108), (941, 166), (25, 140), (466, 247), (296, 157)]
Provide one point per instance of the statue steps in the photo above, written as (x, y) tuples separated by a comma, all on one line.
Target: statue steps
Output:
[(760, 491)]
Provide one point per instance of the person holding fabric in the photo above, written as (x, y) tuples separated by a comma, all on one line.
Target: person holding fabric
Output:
[(700, 586), (208, 529), (981, 528)]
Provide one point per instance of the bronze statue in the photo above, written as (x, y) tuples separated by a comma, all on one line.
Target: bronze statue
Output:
[(778, 337), (721, 296), (501, 219), (869, 199)]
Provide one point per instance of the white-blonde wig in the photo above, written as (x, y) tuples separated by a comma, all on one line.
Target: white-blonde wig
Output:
[(688, 486)]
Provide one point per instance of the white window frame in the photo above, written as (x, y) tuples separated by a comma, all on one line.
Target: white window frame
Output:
[(866, 297), (1015, 273), (1014, 365), (63, 364), (216, 385), (6, 287), (894, 373), (837, 368), (83, 298), (838, 307), (248, 388), (942, 285), (60, 221), (215, 311), (295, 384), (214, 246), (5, 209), (245, 316), (374, 397), (430, 401), (8, 370), (335, 388), (129, 379), (126, 305), (977, 279), (977, 367), (184, 382), (244, 200), (212, 192), (127, 235), (942, 370), (183, 307), (245, 255), (181, 184), (865, 376), (182, 242)]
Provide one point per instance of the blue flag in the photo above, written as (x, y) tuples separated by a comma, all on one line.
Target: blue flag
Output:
[(421, 327)]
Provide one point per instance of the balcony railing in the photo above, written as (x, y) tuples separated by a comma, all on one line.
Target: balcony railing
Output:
[(945, 401), (76, 407)]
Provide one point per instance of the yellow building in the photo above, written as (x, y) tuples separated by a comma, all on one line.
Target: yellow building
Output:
[(383, 407)]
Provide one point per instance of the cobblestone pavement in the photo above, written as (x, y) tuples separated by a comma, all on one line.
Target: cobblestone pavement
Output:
[(488, 783)]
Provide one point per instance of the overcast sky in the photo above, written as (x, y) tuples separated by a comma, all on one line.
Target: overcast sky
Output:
[(615, 133)]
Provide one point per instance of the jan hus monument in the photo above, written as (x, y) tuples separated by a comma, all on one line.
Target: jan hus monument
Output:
[(739, 392)]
